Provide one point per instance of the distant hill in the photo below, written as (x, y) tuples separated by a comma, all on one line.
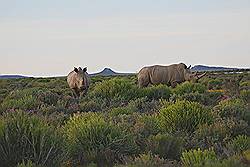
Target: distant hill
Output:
[(108, 72), (12, 76), (211, 68)]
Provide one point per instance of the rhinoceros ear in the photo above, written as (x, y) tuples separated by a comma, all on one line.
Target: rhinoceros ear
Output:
[(75, 69), (85, 69)]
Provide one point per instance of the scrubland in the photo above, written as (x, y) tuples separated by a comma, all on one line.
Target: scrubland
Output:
[(118, 124)]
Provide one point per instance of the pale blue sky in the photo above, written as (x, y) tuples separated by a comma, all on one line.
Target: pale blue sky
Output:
[(49, 37)]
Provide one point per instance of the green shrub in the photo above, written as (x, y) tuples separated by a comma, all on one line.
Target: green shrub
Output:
[(215, 84), (149, 125), (3, 94), (245, 95), (26, 137), (166, 146), (204, 80), (231, 108), (245, 84), (240, 143), (124, 119), (53, 115), (194, 97), (144, 105), (220, 131), (147, 160), (48, 97), (25, 103), (90, 106), (140, 125), (66, 102), (212, 98), (127, 110), (26, 164), (92, 139), (19, 93), (92, 165), (188, 87), (144, 126), (156, 92), (184, 116), (230, 162), (207, 98), (115, 88), (29, 99), (197, 158)]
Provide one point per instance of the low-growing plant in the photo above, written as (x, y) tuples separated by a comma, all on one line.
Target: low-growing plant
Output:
[(145, 126), (245, 95), (19, 93), (144, 105), (188, 87), (213, 97), (207, 98), (25, 103), (240, 143), (26, 137), (148, 160), (245, 84), (231, 108), (48, 97), (215, 83), (197, 158), (53, 115), (29, 99), (92, 139), (26, 164), (194, 97), (166, 146), (116, 88), (230, 162), (220, 131), (127, 110), (150, 124), (184, 116), (156, 92), (90, 106)]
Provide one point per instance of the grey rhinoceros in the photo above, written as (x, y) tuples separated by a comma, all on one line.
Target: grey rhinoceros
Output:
[(79, 81), (169, 75)]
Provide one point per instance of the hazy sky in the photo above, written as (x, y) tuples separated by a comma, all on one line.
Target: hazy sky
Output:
[(50, 37)]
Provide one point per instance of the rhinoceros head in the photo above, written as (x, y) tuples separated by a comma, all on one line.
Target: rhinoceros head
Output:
[(192, 76), (81, 77)]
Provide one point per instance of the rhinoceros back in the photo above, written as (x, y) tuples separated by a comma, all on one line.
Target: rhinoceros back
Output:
[(160, 75)]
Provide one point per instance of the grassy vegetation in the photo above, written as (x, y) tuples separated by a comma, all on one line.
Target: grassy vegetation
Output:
[(119, 124)]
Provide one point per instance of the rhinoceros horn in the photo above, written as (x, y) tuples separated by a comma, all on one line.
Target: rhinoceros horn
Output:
[(202, 75)]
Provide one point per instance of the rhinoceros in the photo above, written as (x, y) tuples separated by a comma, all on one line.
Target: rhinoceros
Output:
[(170, 75), (79, 81)]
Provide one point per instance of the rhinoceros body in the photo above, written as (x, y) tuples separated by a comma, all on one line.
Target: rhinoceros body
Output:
[(169, 75), (79, 81)]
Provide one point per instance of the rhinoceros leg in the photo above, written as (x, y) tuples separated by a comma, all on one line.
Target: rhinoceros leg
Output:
[(143, 82), (173, 84), (76, 93), (84, 92)]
